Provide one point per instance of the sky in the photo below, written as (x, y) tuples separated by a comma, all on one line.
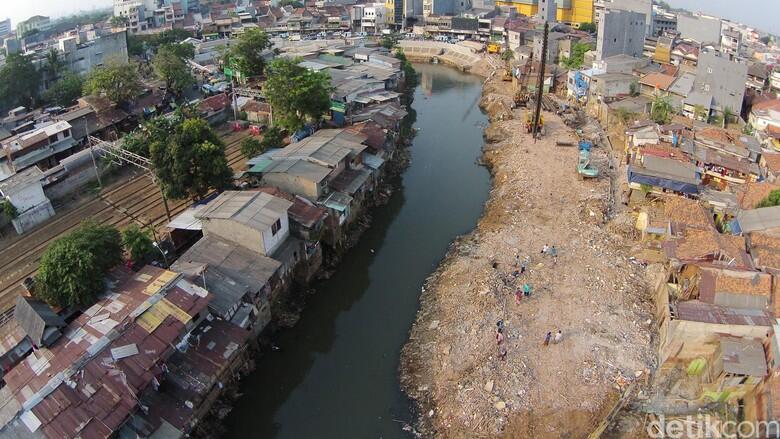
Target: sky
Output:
[(763, 14)]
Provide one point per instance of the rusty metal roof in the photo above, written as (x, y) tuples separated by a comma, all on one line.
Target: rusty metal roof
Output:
[(697, 311)]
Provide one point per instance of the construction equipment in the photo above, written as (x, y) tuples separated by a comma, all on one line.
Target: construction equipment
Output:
[(529, 128), (583, 165), (493, 48), (522, 95)]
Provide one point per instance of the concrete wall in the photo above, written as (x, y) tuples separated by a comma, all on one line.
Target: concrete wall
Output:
[(271, 241), (621, 32), (29, 219), (98, 52), (236, 233), (701, 29), (644, 7), (294, 185)]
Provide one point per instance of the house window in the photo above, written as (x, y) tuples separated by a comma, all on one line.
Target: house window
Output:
[(275, 227)]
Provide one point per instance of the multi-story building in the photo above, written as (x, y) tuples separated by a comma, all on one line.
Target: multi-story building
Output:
[(373, 19), (43, 147), (35, 23), (663, 22), (82, 58), (574, 12), (438, 7), (395, 13), (620, 33), (548, 10), (5, 27), (644, 7), (719, 84), (700, 28), (730, 42)]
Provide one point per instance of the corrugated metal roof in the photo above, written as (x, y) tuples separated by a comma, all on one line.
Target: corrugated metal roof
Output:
[(257, 210)]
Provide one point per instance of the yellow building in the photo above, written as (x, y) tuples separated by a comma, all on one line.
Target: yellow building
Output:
[(575, 12)]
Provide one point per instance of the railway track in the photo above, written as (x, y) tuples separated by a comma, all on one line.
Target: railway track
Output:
[(132, 200)]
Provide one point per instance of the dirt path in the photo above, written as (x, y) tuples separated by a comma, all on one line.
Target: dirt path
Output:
[(592, 293)]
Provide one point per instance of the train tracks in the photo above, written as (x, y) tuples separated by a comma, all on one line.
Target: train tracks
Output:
[(134, 199)]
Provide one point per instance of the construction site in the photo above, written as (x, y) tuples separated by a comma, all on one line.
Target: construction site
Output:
[(550, 255)]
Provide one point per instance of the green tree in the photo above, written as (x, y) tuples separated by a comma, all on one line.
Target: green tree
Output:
[(773, 199), (118, 21), (625, 116), (54, 64), (577, 56), (65, 91), (136, 46), (251, 147), (700, 113), (9, 209), (661, 110), (73, 267), (588, 27), (728, 114), (246, 54), (157, 129), (410, 75), (507, 55), (137, 243), (19, 82), (170, 65), (273, 137), (390, 41), (190, 161), (296, 93), (119, 82)]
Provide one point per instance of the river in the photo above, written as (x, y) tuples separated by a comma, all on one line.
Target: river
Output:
[(336, 375)]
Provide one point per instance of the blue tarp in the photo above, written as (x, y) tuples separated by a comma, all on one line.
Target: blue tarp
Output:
[(637, 177)]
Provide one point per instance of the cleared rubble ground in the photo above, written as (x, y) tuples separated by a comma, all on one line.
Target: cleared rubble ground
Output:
[(593, 293)]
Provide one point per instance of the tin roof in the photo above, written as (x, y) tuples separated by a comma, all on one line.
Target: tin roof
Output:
[(765, 218), (697, 311), (743, 356), (256, 210)]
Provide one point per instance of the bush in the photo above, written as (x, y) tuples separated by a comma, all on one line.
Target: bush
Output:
[(137, 243)]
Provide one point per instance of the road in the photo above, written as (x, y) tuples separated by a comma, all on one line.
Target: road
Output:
[(117, 204)]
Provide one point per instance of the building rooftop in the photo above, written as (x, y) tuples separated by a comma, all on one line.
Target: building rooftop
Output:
[(253, 209), (697, 311), (743, 356)]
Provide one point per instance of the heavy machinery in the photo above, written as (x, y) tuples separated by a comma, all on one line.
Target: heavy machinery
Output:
[(584, 170), (529, 124), (493, 47), (522, 95), (537, 124)]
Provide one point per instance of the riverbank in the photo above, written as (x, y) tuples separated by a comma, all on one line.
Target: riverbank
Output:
[(450, 366)]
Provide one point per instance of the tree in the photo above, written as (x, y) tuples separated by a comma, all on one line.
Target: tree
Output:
[(53, 64), (410, 75), (390, 41), (251, 147), (157, 129), (246, 55), (73, 266), (588, 27), (170, 65), (633, 89), (507, 55), (296, 93), (700, 113), (625, 116), (577, 56), (661, 110), (190, 161), (19, 82), (119, 82), (66, 90), (137, 243), (9, 209), (727, 116), (773, 199), (118, 21), (273, 137)]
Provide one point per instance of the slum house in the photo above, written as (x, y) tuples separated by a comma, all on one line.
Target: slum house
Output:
[(215, 353), (215, 109), (770, 164), (662, 175), (88, 382), (764, 220), (763, 403), (708, 247), (24, 190), (751, 194), (765, 251), (43, 147)]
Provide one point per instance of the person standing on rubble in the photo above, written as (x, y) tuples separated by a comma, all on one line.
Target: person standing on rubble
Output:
[(518, 296), (526, 289), (547, 338), (545, 249), (524, 265), (554, 254), (499, 336), (558, 337)]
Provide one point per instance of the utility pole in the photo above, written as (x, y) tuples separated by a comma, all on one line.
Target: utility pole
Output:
[(540, 85)]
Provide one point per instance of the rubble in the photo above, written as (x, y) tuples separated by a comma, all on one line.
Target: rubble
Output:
[(451, 364)]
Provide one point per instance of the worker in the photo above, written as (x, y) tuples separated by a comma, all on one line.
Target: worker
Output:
[(499, 336), (502, 352), (547, 338), (554, 254), (558, 337), (526, 289), (545, 249), (524, 265), (518, 296)]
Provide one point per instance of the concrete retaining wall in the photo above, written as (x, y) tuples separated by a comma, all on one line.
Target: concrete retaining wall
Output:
[(453, 54)]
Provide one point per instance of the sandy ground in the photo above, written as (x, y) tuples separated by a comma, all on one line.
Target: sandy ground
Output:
[(592, 293)]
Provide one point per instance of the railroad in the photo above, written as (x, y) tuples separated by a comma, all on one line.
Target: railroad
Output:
[(119, 204)]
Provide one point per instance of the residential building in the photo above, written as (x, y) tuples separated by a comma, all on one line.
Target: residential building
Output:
[(720, 84), (42, 147), (765, 115), (395, 13), (620, 32), (374, 18), (83, 57), (24, 190), (731, 42), (663, 22), (553, 46), (5, 27), (36, 23), (700, 28), (113, 353)]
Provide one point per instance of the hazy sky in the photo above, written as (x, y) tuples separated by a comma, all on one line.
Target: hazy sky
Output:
[(764, 14)]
